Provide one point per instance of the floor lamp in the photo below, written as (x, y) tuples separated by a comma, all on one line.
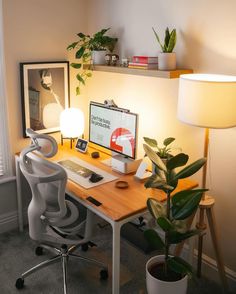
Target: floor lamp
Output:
[(208, 101)]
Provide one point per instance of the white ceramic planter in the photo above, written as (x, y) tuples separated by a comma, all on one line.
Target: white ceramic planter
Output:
[(99, 57), (155, 286), (167, 61)]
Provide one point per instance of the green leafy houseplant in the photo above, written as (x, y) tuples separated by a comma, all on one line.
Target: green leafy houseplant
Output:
[(84, 47), (164, 151), (169, 41), (172, 215)]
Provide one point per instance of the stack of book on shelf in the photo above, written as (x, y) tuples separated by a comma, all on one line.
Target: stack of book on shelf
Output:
[(144, 62)]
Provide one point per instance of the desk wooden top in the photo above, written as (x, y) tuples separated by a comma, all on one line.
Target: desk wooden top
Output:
[(117, 203)]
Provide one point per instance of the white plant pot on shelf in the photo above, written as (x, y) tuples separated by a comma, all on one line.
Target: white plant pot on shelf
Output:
[(98, 57), (166, 61), (156, 286)]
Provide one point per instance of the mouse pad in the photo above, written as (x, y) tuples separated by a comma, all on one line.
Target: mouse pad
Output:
[(79, 172)]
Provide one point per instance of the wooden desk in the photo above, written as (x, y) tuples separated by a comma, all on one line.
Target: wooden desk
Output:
[(119, 206)]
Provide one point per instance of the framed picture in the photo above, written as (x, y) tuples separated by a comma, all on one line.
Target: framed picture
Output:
[(45, 93)]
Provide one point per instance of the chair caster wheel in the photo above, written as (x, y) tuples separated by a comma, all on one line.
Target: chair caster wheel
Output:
[(84, 247), (104, 274), (39, 251), (19, 283)]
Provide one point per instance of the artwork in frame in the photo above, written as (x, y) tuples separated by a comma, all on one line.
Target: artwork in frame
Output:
[(45, 93)]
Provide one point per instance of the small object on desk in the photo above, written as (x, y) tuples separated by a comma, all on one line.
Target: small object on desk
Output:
[(142, 174), (81, 145), (95, 154), (94, 201), (94, 178), (122, 184)]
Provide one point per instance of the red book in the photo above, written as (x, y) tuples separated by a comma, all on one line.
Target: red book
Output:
[(145, 59), (143, 65)]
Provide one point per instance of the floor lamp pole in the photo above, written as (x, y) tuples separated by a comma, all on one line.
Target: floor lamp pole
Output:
[(206, 206)]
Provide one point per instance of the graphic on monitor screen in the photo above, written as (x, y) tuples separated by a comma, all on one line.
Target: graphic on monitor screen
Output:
[(113, 128)]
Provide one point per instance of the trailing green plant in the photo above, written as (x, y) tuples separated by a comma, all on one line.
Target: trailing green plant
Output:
[(169, 41), (84, 47), (164, 151), (171, 216)]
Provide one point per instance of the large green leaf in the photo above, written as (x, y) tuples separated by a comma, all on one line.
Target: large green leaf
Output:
[(184, 203), (179, 265), (165, 224), (81, 35), (177, 161), (72, 46), (167, 38), (150, 142), (172, 41), (154, 239), (76, 65), (158, 40), (180, 226), (79, 78), (190, 169), (80, 52), (155, 207), (171, 179), (154, 157), (157, 182), (168, 141), (176, 237)]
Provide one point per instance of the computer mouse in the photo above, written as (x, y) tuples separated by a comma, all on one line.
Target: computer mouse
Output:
[(95, 154), (94, 178)]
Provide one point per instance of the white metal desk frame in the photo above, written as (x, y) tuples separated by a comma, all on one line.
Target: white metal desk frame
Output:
[(116, 227)]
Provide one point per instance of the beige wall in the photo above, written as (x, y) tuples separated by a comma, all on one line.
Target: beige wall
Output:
[(36, 31), (206, 43), (33, 31)]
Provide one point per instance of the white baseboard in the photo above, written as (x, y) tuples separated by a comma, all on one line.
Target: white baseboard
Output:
[(9, 221), (209, 269)]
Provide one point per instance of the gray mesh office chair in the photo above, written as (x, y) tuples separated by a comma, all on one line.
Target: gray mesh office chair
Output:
[(53, 220)]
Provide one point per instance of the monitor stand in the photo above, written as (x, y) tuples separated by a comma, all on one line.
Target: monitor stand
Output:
[(122, 164)]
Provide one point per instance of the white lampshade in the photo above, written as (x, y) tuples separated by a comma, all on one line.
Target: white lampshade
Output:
[(72, 123), (207, 100)]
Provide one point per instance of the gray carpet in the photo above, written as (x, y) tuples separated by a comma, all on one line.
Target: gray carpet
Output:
[(17, 255)]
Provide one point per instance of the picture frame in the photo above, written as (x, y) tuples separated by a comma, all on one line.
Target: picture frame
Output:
[(44, 95)]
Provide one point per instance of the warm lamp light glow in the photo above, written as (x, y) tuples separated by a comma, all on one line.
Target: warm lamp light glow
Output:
[(207, 100), (72, 123)]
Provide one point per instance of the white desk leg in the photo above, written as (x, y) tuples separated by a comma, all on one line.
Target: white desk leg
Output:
[(19, 195), (116, 258)]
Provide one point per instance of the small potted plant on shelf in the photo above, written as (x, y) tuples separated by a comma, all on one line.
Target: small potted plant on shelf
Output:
[(90, 49), (167, 274), (167, 58)]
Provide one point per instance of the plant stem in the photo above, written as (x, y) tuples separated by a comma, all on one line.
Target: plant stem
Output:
[(167, 245)]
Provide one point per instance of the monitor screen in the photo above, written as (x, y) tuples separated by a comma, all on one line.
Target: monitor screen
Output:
[(113, 128)]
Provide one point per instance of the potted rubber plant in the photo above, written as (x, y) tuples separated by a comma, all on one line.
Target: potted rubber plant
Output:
[(90, 50), (167, 58), (167, 274)]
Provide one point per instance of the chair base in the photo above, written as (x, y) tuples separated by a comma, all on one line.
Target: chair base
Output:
[(62, 255)]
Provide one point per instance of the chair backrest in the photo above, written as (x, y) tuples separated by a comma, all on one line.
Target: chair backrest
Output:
[(47, 181)]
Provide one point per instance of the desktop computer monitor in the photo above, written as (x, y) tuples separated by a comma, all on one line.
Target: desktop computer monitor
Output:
[(113, 128)]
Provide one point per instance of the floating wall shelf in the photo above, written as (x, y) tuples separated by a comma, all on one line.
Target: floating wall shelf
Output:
[(173, 74)]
